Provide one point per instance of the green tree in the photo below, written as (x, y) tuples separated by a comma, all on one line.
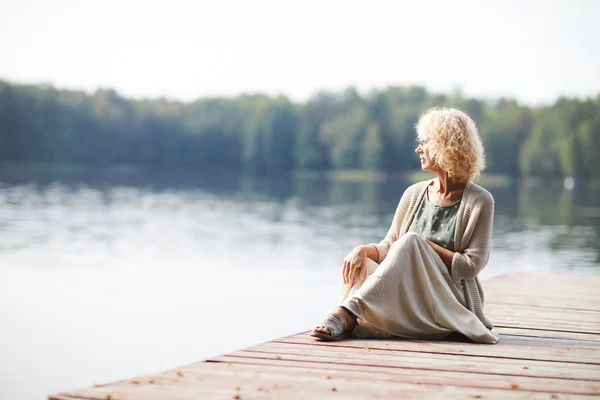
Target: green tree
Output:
[(371, 156)]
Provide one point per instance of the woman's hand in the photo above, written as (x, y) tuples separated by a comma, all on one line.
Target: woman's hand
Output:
[(355, 263), (445, 254)]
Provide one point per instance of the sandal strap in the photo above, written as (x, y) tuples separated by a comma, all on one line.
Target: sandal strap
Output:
[(335, 323)]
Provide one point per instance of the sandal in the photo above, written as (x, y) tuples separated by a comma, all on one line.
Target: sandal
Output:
[(338, 328)]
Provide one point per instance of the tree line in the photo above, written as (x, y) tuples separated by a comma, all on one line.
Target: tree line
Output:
[(263, 134)]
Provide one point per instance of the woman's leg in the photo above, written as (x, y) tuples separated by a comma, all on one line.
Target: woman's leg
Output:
[(347, 291), (397, 297)]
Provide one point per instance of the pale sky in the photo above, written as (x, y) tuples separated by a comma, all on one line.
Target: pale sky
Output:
[(534, 51)]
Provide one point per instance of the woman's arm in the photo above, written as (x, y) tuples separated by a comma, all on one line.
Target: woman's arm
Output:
[(445, 254), (393, 233), (372, 252), (467, 264)]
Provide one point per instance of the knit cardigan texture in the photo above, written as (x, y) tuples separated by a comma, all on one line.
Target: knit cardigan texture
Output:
[(472, 238)]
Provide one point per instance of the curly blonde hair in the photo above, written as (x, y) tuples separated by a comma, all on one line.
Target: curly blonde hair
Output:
[(453, 142)]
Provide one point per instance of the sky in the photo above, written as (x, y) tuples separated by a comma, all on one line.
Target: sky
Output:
[(534, 51)]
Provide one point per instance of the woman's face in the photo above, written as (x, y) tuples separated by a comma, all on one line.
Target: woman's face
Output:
[(427, 164)]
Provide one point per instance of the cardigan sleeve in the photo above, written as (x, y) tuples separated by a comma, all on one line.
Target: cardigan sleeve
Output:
[(467, 264), (394, 231)]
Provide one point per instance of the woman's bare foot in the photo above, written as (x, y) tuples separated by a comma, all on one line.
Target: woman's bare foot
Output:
[(349, 322)]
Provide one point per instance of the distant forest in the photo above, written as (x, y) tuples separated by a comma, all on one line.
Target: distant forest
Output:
[(264, 135)]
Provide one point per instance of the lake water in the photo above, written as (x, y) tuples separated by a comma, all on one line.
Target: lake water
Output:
[(105, 276)]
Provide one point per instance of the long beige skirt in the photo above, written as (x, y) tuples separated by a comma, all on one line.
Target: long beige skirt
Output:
[(411, 295)]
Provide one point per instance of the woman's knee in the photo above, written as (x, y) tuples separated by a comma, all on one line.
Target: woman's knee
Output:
[(409, 239), (406, 242)]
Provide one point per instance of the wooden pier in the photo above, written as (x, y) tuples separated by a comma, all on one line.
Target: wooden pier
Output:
[(549, 327)]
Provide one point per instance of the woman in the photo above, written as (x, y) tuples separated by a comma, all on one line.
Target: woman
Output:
[(420, 281)]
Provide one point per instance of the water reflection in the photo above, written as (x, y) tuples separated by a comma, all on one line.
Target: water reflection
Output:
[(529, 219)]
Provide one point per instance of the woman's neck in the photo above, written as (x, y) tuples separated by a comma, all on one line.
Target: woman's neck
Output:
[(445, 186)]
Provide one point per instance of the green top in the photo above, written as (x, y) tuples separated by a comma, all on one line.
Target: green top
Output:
[(436, 223)]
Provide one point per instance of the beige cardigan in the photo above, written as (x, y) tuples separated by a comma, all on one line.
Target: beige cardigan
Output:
[(472, 237)]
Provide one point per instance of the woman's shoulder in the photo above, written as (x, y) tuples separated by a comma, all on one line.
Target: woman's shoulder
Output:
[(479, 193)]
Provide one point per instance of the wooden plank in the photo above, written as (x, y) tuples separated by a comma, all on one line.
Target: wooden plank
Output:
[(509, 337), (442, 378), (300, 380), (547, 324), (549, 314), (524, 324), (588, 338), (523, 352), (543, 320), (513, 290), (433, 362), (565, 303)]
